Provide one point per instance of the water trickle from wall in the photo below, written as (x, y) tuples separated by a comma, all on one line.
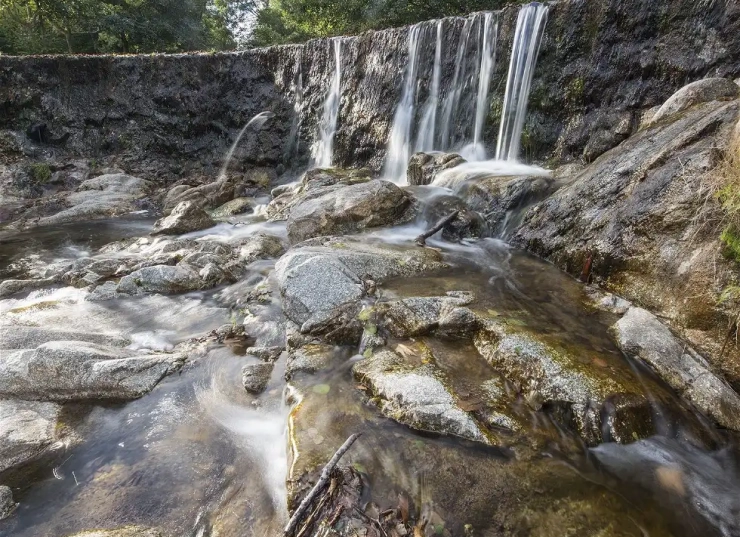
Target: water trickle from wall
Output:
[(323, 155), (257, 121), (294, 140), (399, 144), (428, 125), (530, 28)]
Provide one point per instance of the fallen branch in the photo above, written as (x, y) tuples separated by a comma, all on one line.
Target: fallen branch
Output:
[(421, 240), (323, 479)]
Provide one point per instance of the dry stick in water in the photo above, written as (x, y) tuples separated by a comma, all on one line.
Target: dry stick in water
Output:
[(325, 473), (421, 240)]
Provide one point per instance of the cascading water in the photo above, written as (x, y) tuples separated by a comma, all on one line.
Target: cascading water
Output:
[(324, 150), (428, 125), (530, 28), (451, 102), (476, 151), (399, 145)]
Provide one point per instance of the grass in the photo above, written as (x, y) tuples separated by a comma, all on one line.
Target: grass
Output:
[(40, 172), (728, 194)]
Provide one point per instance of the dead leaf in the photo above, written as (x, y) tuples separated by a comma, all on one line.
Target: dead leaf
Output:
[(403, 508), (671, 479), (600, 362)]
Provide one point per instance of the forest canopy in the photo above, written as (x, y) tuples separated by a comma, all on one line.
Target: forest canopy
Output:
[(141, 26)]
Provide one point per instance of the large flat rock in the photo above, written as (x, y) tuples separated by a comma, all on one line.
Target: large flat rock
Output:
[(27, 430), (79, 370)]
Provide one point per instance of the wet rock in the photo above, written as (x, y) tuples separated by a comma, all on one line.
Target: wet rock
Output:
[(418, 316), (607, 302), (167, 279), (310, 358), (11, 287), (233, 207), (100, 197), (77, 371), (423, 167), (642, 336), (187, 216), (571, 387), (322, 285), (27, 430), (127, 531), (347, 210), (501, 200), (7, 505), (701, 91), (260, 246), (638, 214), (256, 376), (415, 396), (205, 196), (266, 354), (27, 337)]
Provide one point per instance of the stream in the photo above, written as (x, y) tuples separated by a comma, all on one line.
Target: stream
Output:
[(200, 456)]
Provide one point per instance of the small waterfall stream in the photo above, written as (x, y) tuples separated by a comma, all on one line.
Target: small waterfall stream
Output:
[(324, 149), (530, 27), (427, 128), (477, 151), (399, 145)]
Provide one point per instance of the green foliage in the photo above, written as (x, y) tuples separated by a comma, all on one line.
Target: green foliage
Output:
[(294, 21), (89, 26), (731, 240), (40, 172)]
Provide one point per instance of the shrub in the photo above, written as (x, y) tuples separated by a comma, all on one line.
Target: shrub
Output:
[(40, 172)]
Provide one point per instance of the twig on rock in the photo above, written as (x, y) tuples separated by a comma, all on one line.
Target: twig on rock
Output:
[(323, 479), (421, 240)]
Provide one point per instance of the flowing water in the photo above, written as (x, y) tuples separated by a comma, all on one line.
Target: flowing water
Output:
[(256, 122), (324, 151), (428, 125), (530, 27), (399, 143)]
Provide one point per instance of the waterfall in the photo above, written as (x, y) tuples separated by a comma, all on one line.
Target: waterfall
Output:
[(477, 151), (294, 139), (452, 100), (428, 125), (399, 145), (324, 151), (257, 121), (530, 27)]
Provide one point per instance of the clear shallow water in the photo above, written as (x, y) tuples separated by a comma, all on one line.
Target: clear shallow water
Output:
[(198, 456), (63, 242)]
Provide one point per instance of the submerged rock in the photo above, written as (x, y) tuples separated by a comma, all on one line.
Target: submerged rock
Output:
[(27, 430), (420, 316), (423, 167), (187, 216), (256, 376), (415, 396), (7, 505), (642, 336), (260, 246), (78, 371), (347, 210), (127, 531), (594, 398), (28, 337), (701, 91), (322, 284)]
